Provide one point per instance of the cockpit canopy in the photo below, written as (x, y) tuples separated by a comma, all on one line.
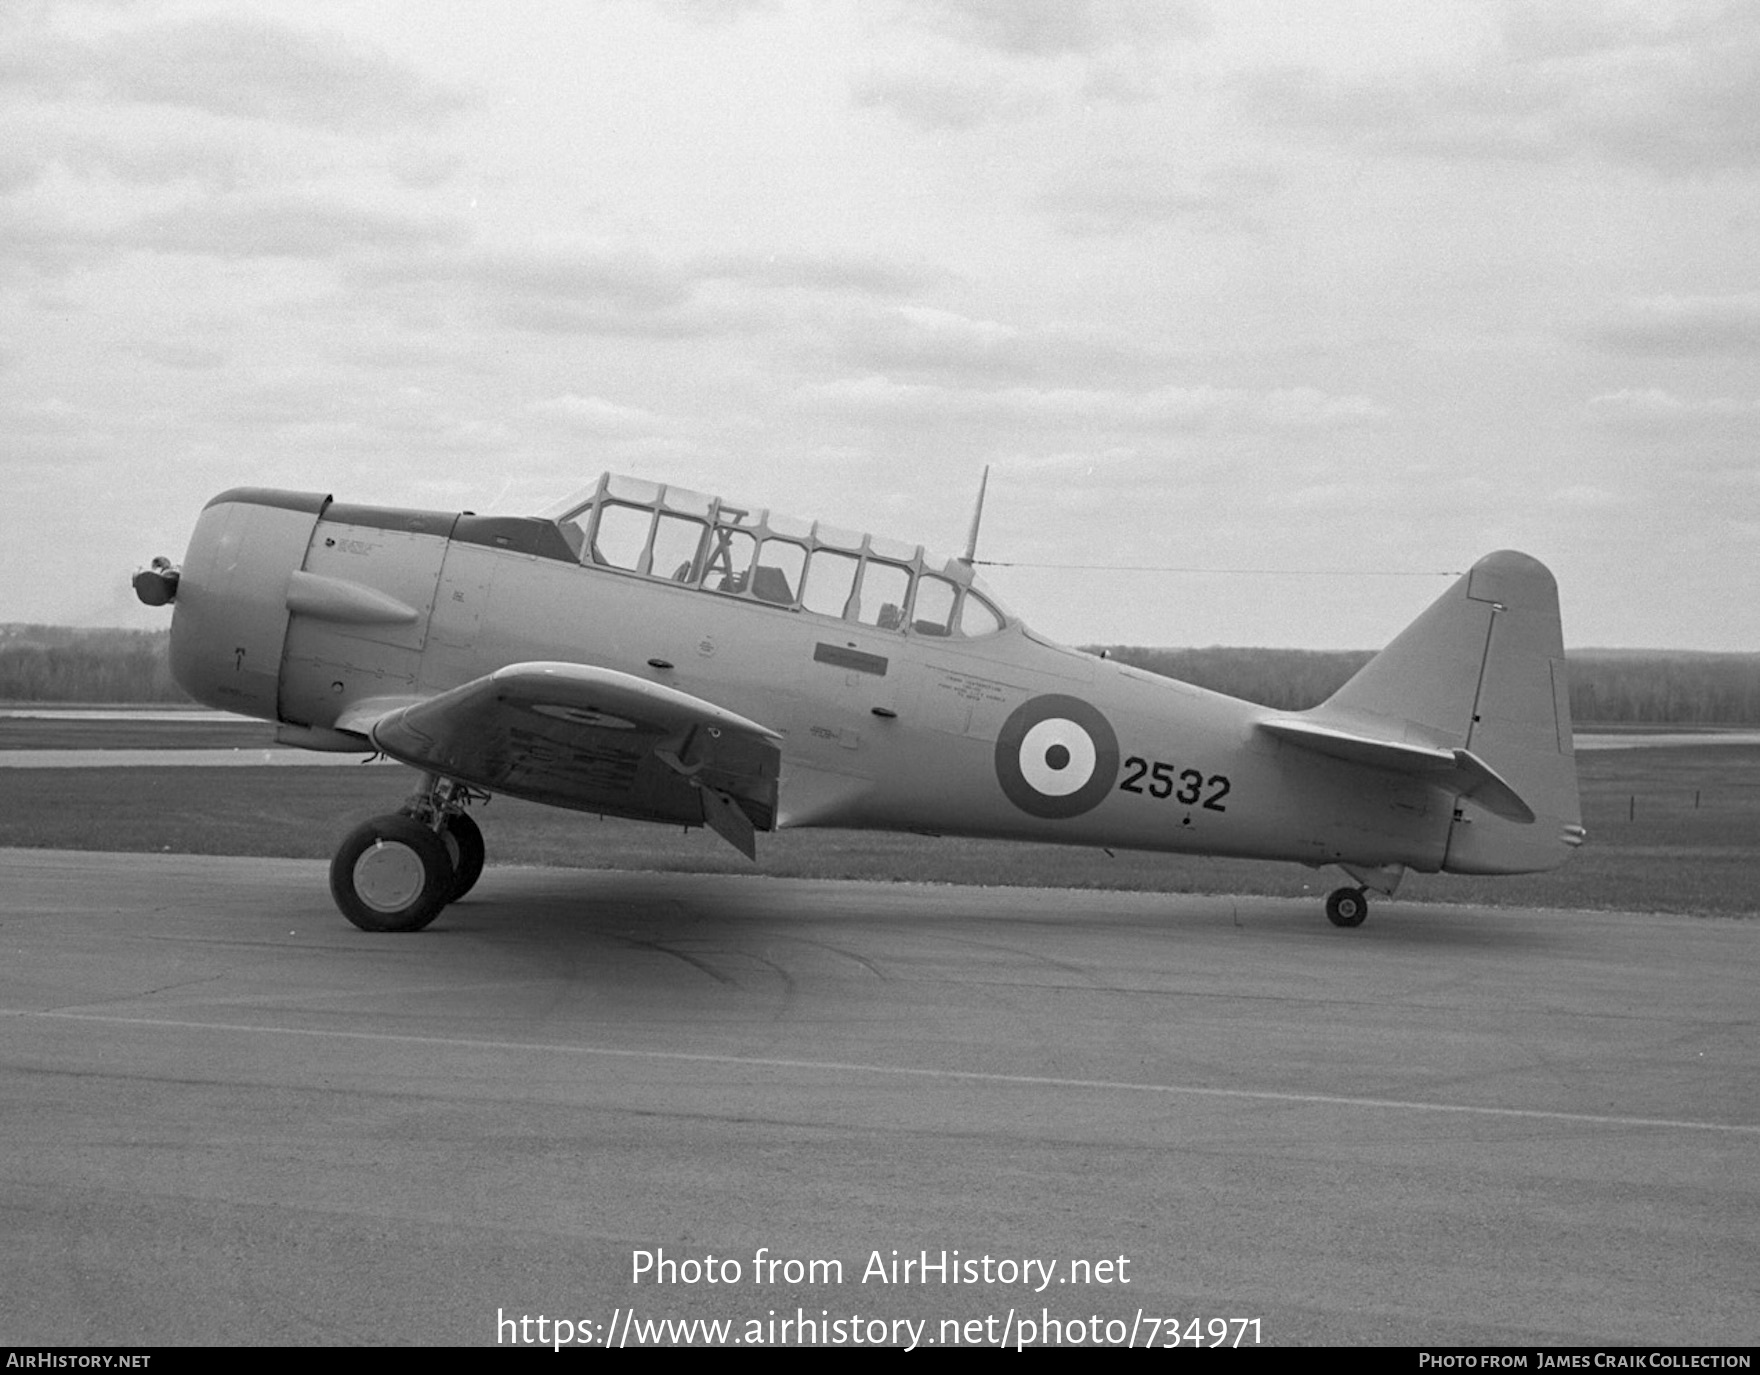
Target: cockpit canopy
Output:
[(675, 535)]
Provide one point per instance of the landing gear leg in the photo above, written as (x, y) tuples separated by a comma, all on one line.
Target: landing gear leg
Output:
[(1347, 907)]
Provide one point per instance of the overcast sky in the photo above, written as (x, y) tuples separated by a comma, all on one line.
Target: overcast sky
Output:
[(1348, 288)]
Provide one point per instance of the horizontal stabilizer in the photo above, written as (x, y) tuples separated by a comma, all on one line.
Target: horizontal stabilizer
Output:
[(1458, 771)]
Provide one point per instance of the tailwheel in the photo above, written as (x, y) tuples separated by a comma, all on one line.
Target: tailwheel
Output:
[(1347, 907), (464, 844), (392, 874)]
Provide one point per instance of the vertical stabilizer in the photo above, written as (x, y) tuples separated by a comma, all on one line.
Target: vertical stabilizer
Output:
[(1483, 669)]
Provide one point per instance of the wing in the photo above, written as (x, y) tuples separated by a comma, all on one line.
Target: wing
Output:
[(1458, 771), (594, 740)]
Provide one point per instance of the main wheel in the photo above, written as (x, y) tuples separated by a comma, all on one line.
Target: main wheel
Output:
[(1347, 907), (391, 874), (464, 843)]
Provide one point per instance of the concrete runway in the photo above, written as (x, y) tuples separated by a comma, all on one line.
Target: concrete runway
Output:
[(227, 1116)]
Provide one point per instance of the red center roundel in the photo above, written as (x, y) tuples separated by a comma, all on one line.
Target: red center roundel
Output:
[(1056, 757)]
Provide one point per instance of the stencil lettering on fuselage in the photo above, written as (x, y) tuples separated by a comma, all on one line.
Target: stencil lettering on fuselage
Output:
[(1056, 756)]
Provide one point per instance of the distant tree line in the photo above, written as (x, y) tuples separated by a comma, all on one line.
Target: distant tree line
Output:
[(1611, 686), (1288, 679), (54, 664), (1710, 689)]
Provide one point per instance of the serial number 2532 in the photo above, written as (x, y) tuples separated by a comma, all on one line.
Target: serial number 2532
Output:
[(1188, 786)]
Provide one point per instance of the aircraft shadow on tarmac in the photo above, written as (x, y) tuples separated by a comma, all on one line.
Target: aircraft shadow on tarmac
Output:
[(574, 912)]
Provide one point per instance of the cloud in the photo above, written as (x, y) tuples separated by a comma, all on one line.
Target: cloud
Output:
[(953, 101), (1588, 497), (1121, 197), (19, 167), (709, 12), (284, 227), (919, 340), (625, 280), (1651, 411), (622, 292), (41, 154), (53, 433), (582, 292), (180, 357), (1309, 408), (50, 415), (1580, 28), (232, 66), (1613, 84), (1053, 28), (872, 276), (989, 61), (922, 344), (596, 416), (1164, 410), (1684, 326), (224, 227), (32, 239), (154, 161), (418, 166)]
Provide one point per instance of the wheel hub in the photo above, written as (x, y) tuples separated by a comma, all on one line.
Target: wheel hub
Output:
[(388, 877)]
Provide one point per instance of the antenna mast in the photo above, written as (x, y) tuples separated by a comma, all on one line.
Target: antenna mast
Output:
[(971, 553)]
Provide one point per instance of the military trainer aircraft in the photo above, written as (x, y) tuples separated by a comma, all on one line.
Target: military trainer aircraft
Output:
[(646, 651)]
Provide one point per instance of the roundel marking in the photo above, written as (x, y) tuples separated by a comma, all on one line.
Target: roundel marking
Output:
[(1056, 756)]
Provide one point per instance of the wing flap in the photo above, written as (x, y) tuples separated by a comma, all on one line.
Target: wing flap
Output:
[(1457, 770), (593, 739)]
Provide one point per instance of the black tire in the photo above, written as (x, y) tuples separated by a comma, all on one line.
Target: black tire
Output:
[(391, 874), (1347, 907), (464, 843)]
